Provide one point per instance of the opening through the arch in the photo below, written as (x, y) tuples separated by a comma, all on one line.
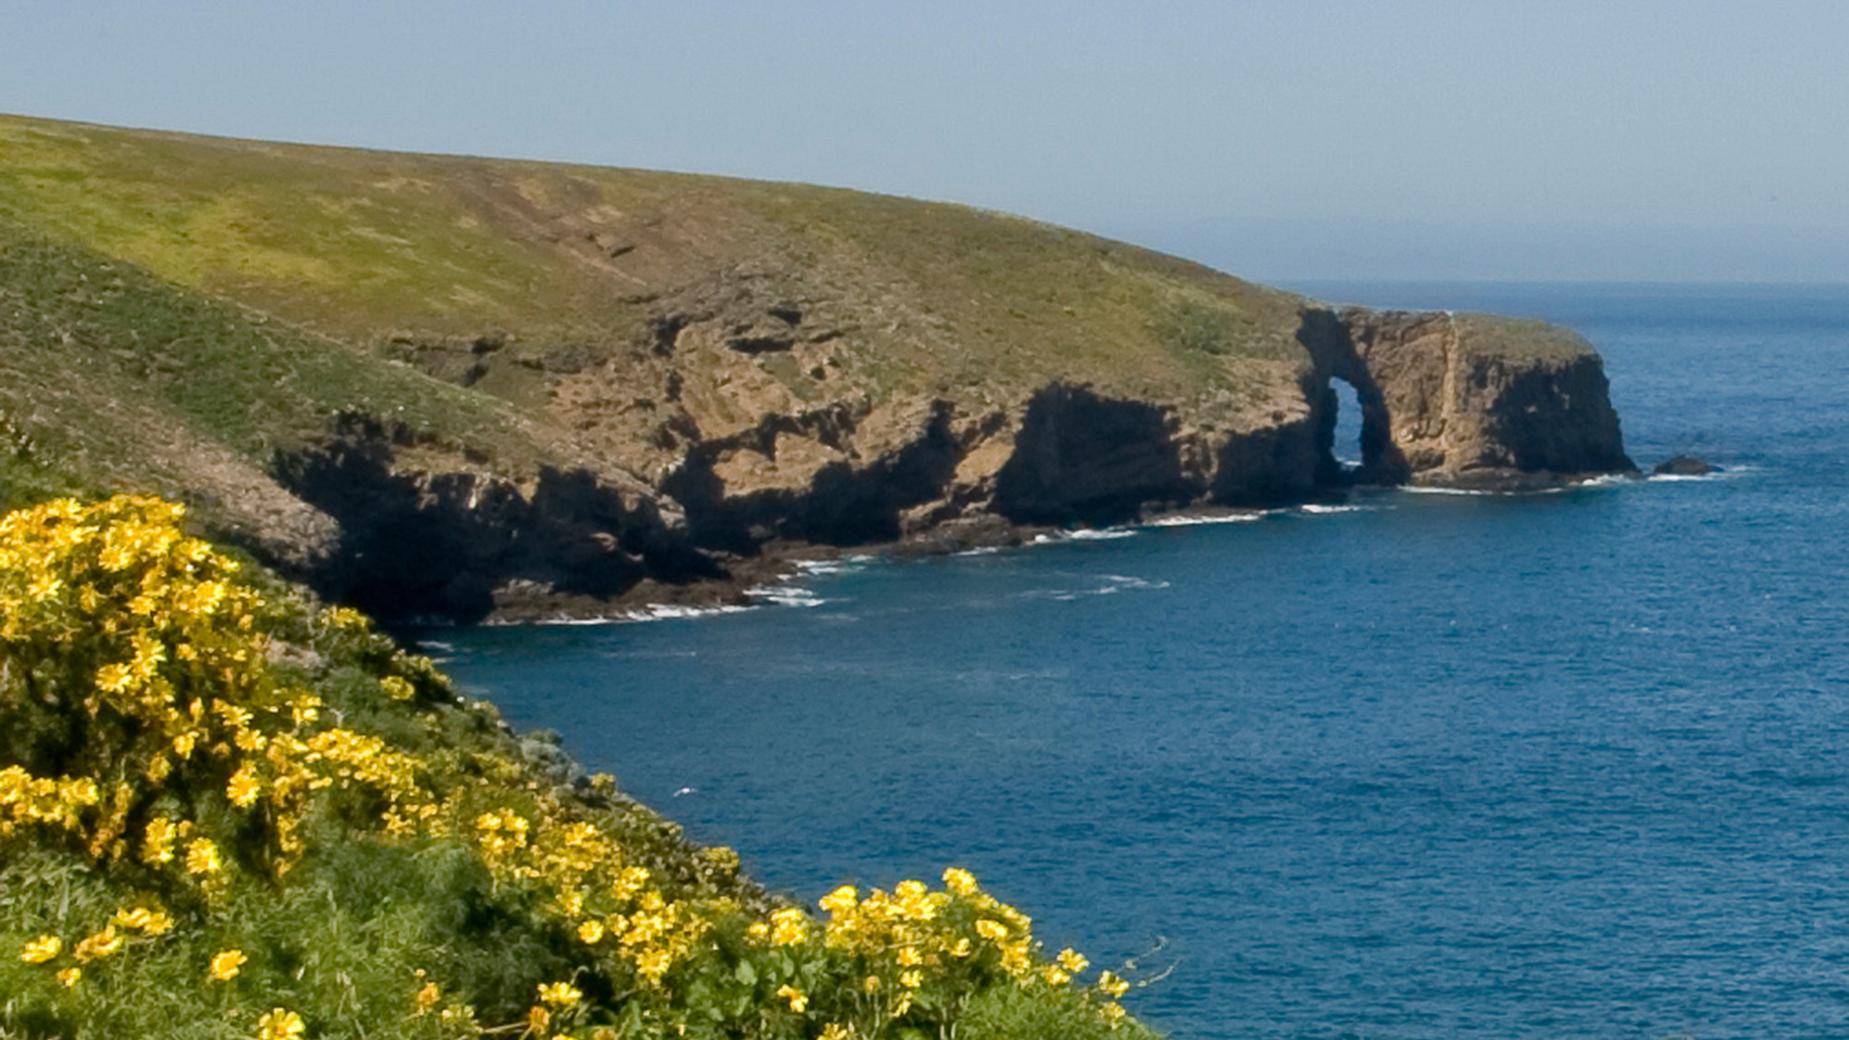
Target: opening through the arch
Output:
[(1353, 436), (1345, 444)]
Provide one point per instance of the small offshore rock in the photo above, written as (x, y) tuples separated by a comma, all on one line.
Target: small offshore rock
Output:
[(1685, 466)]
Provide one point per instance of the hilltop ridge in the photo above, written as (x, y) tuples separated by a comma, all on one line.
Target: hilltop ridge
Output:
[(446, 386)]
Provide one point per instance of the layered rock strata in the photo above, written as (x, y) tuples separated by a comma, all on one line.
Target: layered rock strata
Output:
[(1450, 400)]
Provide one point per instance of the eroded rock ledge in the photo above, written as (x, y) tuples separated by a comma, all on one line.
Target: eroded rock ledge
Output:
[(1456, 400)]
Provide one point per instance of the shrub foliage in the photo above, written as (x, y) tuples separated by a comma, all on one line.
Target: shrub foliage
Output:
[(226, 812)]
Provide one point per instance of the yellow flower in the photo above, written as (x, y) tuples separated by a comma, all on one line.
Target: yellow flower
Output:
[(909, 957), (1112, 1013), (911, 979), (788, 926), (102, 944), (991, 929), (243, 787), (70, 977), (538, 1020), (871, 984), (841, 900), (225, 965), (799, 1001), (961, 948), (113, 678), (559, 994), (653, 964), (835, 1031), (202, 857), (1054, 976), (397, 689), (427, 998), (157, 842), (590, 933), (1112, 985), (44, 587), (1073, 961), (280, 1024), (42, 949), (960, 881)]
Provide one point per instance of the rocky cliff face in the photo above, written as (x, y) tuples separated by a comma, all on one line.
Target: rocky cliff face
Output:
[(1446, 400), (1469, 400)]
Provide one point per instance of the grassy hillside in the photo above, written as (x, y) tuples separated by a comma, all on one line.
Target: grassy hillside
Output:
[(226, 812), (85, 337), (359, 244)]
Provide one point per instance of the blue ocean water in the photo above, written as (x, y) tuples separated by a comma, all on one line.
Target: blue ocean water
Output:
[(1568, 765)]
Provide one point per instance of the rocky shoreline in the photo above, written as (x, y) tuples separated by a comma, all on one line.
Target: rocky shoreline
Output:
[(1465, 402), (754, 582)]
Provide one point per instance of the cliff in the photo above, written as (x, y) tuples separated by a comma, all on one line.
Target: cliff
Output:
[(448, 386)]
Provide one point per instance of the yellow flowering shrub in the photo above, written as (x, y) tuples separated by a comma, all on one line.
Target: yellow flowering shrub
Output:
[(165, 750)]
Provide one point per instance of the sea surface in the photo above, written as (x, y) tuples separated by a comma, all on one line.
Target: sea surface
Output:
[(1431, 765)]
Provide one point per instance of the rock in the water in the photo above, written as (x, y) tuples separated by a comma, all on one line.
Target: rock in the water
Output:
[(1685, 466)]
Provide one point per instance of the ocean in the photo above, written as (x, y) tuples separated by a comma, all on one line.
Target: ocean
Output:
[(1421, 765)]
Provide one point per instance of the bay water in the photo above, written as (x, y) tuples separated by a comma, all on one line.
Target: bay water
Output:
[(1423, 765)]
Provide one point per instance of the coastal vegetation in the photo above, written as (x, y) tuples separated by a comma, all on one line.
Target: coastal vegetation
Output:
[(227, 810)]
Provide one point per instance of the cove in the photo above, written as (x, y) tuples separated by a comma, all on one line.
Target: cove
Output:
[(1568, 764)]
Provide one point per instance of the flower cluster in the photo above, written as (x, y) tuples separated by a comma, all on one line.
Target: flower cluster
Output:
[(584, 874), (912, 941), (197, 765), (112, 616)]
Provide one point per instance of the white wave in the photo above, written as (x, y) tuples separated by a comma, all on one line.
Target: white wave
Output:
[(1480, 491), (1604, 480), (1422, 489), (786, 595), (1131, 581), (838, 565), (564, 621), (1315, 509), (1084, 534), (1113, 584), (986, 550), (1093, 534), (676, 611), (437, 644), (1194, 519), (1687, 478)]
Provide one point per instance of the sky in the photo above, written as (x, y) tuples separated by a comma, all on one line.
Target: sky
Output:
[(1410, 140)]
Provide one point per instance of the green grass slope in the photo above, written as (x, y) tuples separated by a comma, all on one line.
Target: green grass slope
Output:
[(359, 244), (84, 335)]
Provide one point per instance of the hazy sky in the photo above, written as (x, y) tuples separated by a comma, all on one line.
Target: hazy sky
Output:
[(1278, 140)]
